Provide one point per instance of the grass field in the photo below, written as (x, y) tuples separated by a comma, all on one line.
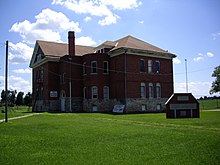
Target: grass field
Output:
[(209, 104), (14, 111), (111, 139)]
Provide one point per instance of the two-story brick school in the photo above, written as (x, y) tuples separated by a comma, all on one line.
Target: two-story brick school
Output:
[(75, 78)]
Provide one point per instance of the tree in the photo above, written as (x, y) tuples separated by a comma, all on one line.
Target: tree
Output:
[(28, 99), (215, 84), (3, 95), (11, 97), (20, 100)]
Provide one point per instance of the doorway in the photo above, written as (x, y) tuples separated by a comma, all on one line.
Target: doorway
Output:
[(62, 101)]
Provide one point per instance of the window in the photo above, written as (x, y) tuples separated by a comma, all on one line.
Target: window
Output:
[(105, 67), (38, 57), (62, 78), (94, 92), (149, 66), (158, 107), (151, 91), (157, 65), (85, 93), (84, 68), (94, 67), (106, 92), (142, 65), (158, 90), (143, 90)]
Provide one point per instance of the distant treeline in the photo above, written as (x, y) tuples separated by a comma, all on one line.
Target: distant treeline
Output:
[(209, 98)]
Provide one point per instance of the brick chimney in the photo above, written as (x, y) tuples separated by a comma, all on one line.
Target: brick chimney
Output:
[(71, 42)]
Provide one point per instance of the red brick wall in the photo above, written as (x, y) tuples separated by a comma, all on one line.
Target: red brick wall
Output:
[(99, 79), (135, 77)]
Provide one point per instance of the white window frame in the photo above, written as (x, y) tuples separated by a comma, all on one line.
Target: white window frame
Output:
[(92, 62), (158, 90), (151, 90), (94, 92), (104, 67), (143, 90), (150, 64), (106, 93)]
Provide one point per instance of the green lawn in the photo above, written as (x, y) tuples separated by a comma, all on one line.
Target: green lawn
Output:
[(14, 111), (209, 104), (93, 138)]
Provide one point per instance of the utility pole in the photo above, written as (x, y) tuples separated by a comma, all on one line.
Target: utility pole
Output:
[(6, 84), (186, 76)]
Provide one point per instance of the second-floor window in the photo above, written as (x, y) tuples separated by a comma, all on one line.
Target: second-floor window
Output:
[(84, 68), (94, 67), (142, 65), (149, 66), (157, 66), (105, 67), (62, 78)]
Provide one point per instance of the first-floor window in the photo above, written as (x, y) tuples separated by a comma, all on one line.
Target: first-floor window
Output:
[(85, 93), (158, 90), (106, 92), (143, 90), (151, 90), (94, 92)]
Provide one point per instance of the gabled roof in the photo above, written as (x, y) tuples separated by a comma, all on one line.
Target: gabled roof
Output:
[(135, 43), (61, 49)]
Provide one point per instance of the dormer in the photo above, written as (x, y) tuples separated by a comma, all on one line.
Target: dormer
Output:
[(105, 47)]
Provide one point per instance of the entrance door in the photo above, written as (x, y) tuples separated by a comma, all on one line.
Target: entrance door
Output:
[(62, 101)]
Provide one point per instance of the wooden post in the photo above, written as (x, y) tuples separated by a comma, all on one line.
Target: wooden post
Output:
[(6, 83)]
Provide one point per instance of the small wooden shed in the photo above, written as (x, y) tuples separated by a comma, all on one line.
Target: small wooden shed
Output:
[(182, 105)]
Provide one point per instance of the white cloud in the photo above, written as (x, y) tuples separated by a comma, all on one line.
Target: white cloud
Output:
[(141, 22), (87, 19), (48, 26), (121, 4), (198, 89), (17, 83), (99, 8), (209, 54), (176, 61), (88, 41), (19, 53), (216, 35), (22, 71), (203, 56)]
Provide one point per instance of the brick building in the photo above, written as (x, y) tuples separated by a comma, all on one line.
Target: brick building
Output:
[(74, 78)]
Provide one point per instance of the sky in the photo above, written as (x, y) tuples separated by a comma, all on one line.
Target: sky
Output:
[(188, 28)]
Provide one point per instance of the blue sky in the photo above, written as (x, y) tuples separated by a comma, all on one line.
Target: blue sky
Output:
[(188, 28)]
